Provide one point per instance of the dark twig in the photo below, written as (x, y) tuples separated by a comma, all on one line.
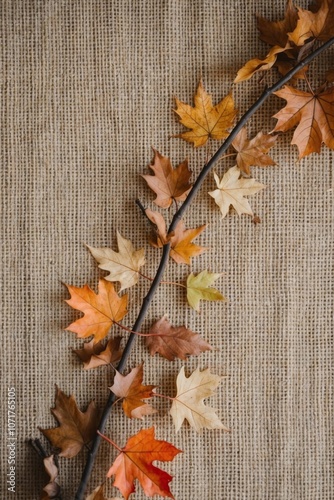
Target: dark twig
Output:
[(164, 258)]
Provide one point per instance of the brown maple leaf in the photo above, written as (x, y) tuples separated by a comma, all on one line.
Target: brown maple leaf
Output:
[(312, 113), (317, 23), (253, 152), (182, 247), (130, 389), (76, 428), (94, 355), (167, 182), (135, 462), (100, 310), (205, 120), (276, 32), (174, 342)]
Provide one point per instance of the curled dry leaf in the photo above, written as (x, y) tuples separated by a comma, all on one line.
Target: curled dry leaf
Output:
[(182, 247), (123, 266), (253, 152), (130, 389), (204, 119), (167, 182), (312, 113), (52, 489), (100, 310), (188, 402), (199, 288), (174, 342), (255, 65), (135, 462), (232, 189), (94, 355), (76, 428)]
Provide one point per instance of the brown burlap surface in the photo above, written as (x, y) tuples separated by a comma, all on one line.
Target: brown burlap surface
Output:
[(87, 88)]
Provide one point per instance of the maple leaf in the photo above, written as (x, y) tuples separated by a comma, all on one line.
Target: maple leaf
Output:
[(188, 402), (174, 342), (168, 183), (312, 113), (182, 247), (276, 33), (255, 65), (253, 152), (231, 191), (130, 389), (205, 120), (94, 355), (135, 462), (76, 428), (52, 489), (318, 24), (100, 310), (124, 265), (198, 288), (98, 494)]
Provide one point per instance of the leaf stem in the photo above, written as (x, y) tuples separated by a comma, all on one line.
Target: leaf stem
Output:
[(135, 333), (110, 441), (162, 396), (165, 253)]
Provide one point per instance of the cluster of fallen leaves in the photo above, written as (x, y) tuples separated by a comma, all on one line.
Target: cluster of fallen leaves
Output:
[(76, 429), (312, 113)]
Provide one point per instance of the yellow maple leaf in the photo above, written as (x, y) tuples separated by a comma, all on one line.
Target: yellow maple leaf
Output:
[(205, 120)]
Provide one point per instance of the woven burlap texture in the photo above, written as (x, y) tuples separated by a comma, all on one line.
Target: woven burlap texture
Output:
[(87, 88)]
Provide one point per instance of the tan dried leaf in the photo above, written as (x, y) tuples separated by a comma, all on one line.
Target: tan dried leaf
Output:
[(188, 402), (124, 265), (232, 189)]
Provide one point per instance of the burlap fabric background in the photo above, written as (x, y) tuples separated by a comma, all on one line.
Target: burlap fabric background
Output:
[(87, 87)]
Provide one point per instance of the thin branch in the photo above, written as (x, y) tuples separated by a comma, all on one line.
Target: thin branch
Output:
[(165, 254)]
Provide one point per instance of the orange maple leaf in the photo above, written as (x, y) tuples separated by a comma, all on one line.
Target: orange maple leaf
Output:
[(253, 152), (100, 310), (174, 342), (312, 113), (130, 389), (135, 462), (167, 182), (182, 247), (76, 428), (205, 120)]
